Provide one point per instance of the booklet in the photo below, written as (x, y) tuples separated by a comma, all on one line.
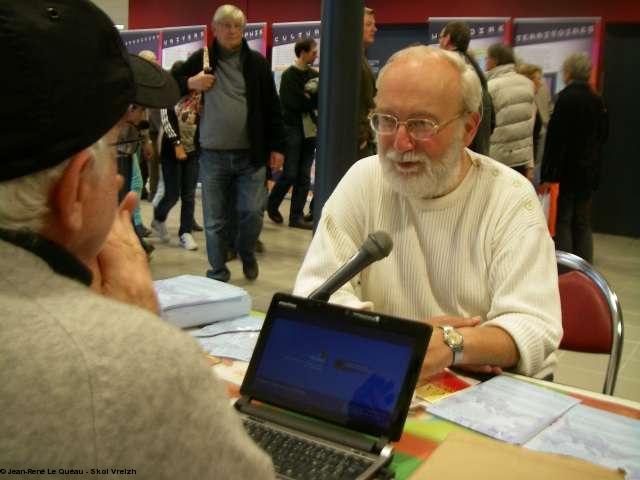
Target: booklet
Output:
[(190, 300)]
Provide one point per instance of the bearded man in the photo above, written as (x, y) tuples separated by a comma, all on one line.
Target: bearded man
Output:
[(472, 252)]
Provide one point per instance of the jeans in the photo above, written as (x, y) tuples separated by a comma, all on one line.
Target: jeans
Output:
[(296, 173), (180, 178), (573, 225), (222, 171)]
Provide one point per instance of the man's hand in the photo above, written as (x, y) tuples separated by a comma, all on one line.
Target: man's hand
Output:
[(121, 270), (180, 153), (276, 160), (147, 150), (201, 82), (439, 356)]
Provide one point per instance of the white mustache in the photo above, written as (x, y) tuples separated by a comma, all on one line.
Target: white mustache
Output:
[(406, 157)]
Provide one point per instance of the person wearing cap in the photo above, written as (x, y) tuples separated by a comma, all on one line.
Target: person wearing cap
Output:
[(91, 377), (240, 133)]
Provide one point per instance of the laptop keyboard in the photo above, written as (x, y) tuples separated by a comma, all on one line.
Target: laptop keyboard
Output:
[(297, 458)]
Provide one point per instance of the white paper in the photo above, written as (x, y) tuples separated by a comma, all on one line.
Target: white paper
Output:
[(187, 290), (504, 408), (233, 339), (594, 435)]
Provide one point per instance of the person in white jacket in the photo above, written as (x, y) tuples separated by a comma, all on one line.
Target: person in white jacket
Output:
[(472, 253), (513, 101)]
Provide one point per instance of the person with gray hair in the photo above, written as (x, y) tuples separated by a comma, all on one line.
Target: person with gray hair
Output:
[(472, 253), (240, 133), (93, 380), (573, 155), (513, 101)]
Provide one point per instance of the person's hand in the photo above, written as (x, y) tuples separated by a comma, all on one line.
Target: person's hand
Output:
[(528, 172), (439, 356), (201, 82), (276, 160), (147, 150), (180, 153), (543, 188), (121, 270)]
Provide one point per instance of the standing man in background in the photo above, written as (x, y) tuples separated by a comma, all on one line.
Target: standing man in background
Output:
[(366, 138), (240, 134), (455, 36), (512, 94), (573, 155), (298, 106)]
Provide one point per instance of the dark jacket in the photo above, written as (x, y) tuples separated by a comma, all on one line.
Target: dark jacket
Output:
[(577, 129), (292, 96), (264, 118), (481, 143)]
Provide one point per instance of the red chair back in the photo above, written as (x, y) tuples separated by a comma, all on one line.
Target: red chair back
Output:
[(586, 318)]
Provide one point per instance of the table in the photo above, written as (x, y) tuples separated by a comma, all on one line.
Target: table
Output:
[(423, 432)]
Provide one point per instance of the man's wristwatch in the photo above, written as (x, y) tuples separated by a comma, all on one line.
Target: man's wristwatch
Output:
[(455, 341)]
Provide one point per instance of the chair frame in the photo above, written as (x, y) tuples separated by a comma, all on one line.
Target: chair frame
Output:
[(574, 262)]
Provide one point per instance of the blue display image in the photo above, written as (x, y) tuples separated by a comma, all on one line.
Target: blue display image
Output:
[(348, 376)]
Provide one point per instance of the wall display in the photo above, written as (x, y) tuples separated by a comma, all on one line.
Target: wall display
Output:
[(180, 42), (391, 38), (136, 41), (484, 33), (548, 41), (285, 35), (256, 36)]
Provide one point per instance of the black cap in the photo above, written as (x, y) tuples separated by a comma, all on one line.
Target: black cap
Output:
[(67, 80)]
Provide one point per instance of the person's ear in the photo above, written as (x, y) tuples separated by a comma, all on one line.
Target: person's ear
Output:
[(471, 125), (71, 192)]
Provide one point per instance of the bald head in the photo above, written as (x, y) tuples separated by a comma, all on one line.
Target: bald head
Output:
[(443, 72)]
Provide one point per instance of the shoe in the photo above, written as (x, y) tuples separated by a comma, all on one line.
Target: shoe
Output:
[(221, 275), (301, 223), (260, 246), (187, 241), (308, 217), (250, 269), (274, 215), (196, 227), (160, 229)]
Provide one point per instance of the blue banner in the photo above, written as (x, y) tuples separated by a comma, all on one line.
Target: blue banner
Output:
[(136, 41), (255, 35)]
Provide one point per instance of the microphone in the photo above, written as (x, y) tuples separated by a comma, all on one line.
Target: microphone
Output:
[(377, 246)]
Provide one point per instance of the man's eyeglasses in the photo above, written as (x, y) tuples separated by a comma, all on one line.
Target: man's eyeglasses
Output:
[(418, 128)]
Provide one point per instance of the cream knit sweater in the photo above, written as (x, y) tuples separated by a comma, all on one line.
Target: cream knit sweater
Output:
[(483, 249)]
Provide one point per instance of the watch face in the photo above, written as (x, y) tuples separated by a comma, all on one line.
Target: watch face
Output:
[(454, 339)]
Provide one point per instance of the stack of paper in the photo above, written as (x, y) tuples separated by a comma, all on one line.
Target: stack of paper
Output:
[(189, 300)]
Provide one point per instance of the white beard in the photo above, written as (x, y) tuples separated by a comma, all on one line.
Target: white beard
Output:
[(431, 179)]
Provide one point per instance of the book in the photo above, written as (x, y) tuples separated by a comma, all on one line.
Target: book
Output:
[(189, 300)]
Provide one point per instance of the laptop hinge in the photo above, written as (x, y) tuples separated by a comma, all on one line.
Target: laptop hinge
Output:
[(356, 441)]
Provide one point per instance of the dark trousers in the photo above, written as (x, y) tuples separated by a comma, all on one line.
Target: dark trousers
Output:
[(296, 173), (180, 178), (573, 225)]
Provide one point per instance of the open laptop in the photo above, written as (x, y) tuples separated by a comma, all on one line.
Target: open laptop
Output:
[(328, 387)]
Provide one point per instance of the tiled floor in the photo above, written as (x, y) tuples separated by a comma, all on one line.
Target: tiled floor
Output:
[(617, 258)]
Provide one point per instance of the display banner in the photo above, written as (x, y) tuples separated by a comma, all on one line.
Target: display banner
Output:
[(547, 42), (180, 42), (391, 38), (285, 35), (136, 41), (484, 33), (256, 36)]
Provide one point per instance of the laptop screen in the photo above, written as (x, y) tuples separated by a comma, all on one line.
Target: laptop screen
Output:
[(352, 368)]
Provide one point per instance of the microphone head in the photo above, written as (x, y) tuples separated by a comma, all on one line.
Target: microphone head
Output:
[(378, 245)]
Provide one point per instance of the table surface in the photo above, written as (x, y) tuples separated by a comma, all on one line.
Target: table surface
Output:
[(422, 431)]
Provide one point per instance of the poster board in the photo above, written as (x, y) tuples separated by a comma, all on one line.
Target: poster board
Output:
[(180, 42), (548, 41), (136, 41), (391, 38), (285, 35), (485, 32), (256, 36)]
